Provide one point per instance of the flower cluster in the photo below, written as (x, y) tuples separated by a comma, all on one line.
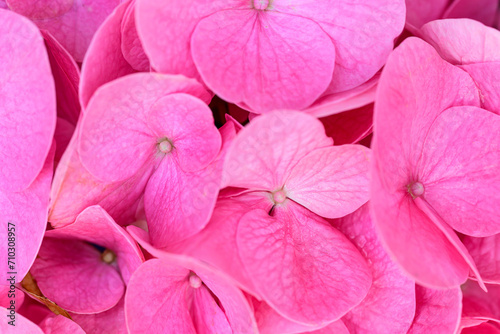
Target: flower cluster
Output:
[(257, 166)]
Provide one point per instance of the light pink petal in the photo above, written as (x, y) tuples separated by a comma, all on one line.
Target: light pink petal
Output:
[(104, 60), (207, 316), (72, 275), (151, 310), (264, 152), (331, 182), (28, 100), (349, 127), (362, 32), (21, 325), (389, 306), (95, 226), (336, 327), (486, 78), (460, 169), (304, 268), (66, 77), (248, 57), (60, 325), (24, 217), (11, 294), (463, 41), (486, 255), (178, 204), (115, 132), (419, 12), (74, 28), (438, 311), (187, 122), (483, 10), (165, 31), (108, 322), (335, 103), (74, 189), (130, 44)]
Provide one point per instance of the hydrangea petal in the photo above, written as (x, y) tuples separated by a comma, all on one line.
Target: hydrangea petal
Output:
[(208, 317), (28, 100), (483, 11), (22, 325), (110, 321), (71, 273), (259, 57), (130, 43), (349, 127), (304, 268), (264, 152), (438, 311), (331, 182), (59, 325), (486, 78), (486, 255), (40, 10)]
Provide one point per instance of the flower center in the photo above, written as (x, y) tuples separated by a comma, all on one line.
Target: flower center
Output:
[(416, 189), (165, 146), (279, 196), (260, 4), (108, 256), (194, 281)]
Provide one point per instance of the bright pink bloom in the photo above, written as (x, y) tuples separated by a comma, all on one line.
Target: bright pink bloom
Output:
[(486, 255), (480, 307), (265, 55), (188, 297), (435, 165), (110, 321), (72, 23), (76, 275)]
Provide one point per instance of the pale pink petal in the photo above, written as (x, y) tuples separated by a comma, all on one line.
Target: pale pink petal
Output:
[(60, 325), (95, 226), (336, 327), (10, 294), (304, 268), (25, 219), (104, 60), (21, 325), (72, 274), (486, 78), (256, 57), (115, 130), (463, 41), (28, 100), (438, 311), (264, 152), (349, 127), (389, 306), (130, 44), (459, 170), (108, 322), (362, 32), (331, 182), (482, 10), (486, 255)]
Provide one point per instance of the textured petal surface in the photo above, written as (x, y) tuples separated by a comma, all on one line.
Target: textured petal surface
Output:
[(59, 325), (483, 10), (460, 160), (486, 77), (107, 322), (24, 215), (73, 275), (104, 60), (486, 254), (331, 182), (389, 306), (114, 129), (130, 44), (481, 305), (438, 311), (264, 152), (304, 268), (419, 12), (261, 52), (95, 226), (207, 316), (40, 10), (28, 100)]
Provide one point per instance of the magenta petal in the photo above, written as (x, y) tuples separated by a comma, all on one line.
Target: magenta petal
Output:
[(104, 60), (22, 325), (37, 10), (25, 215), (391, 291), (28, 100), (60, 324), (483, 328), (116, 118), (331, 182), (208, 317), (479, 305), (349, 127), (73, 275), (150, 310), (264, 152), (482, 10), (438, 311), (296, 259), (107, 322), (420, 12), (253, 63), (486, 78), (486, 255), (460, 169), (130, 44)]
